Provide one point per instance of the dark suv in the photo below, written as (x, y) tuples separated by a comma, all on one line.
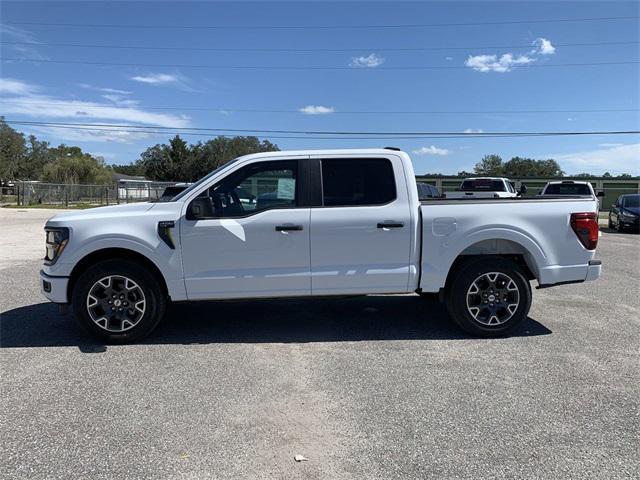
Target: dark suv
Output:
[(625, 212)]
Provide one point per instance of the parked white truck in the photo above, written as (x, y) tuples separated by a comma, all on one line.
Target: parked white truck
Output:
[(315, 223), (486, 187)]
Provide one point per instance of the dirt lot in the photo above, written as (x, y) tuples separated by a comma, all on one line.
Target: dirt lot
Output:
[(369, 387)]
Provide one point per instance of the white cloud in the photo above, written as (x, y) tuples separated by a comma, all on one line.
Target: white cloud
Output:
[(504, 63), (12, 86), (448, 59), (473, 130), (432, 150), (51, 107), (370, 61), (316, 110), (111, 134), (606, 145), (491, 63), (23, 36), (21, 98), (156, 78), (119, 100), (104, 89), (543, 47), (618, 159)]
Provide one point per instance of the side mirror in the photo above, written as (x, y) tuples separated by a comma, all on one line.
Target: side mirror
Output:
[(523, 189), (600, 194), (199, 208)]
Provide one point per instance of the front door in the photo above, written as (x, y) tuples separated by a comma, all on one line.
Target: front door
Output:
[(361, 235), (256, 241)]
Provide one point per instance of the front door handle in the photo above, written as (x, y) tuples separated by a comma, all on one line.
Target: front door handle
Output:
[(390, 224), (287, 227)]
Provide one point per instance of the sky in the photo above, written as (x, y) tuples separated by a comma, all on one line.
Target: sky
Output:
[(490, 76)]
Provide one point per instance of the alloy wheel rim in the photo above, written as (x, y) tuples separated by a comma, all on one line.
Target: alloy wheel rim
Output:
[(116, 303), (493, 298)]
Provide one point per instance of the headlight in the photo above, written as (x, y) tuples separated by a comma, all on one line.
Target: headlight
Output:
[(56, 239), (628, 215)]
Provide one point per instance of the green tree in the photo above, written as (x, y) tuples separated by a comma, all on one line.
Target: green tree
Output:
[(528, 167), (607, 175), (178, 161), (38, 155), (490, 165), (624, 175), (12, 152), (71, 165), (133, 169)]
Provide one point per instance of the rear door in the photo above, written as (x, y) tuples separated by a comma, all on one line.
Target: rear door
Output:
[(361, 232)]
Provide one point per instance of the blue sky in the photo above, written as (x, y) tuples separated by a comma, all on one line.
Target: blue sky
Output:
[(486, 78)]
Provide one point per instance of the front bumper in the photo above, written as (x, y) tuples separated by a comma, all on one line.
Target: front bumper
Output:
[(54, 288)]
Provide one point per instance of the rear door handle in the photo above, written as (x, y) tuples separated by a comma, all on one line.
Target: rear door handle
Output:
[(390, 225), (288, 228)]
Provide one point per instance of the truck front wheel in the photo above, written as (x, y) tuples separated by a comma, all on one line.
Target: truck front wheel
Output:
[(118, 301), (488, 296)]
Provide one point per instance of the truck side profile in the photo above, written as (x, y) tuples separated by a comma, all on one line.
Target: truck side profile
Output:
[(315, 223)]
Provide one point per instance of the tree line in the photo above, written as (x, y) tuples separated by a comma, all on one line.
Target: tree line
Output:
[(32, 159)]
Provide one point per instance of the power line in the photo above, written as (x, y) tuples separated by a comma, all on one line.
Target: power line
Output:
[(305, 50), (276, 67), (321, 27), (319, 132), (200, 134), (82, 104)]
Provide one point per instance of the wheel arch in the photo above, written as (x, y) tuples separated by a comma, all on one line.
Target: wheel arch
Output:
[(499, 248), (114, 254)]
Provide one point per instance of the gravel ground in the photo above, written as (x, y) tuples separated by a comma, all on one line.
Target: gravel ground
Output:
[(369, 387)]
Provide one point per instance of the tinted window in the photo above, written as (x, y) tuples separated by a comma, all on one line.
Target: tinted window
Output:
[(631, 201), (366, 181), (256, 187), (482, 185), (568, 189)]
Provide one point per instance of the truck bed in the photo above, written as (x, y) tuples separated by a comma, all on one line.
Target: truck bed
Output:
[(538, 229)]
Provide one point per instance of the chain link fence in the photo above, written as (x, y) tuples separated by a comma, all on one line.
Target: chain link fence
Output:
[(72, 195)]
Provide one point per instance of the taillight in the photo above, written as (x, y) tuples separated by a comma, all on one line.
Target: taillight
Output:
[(586, 227)]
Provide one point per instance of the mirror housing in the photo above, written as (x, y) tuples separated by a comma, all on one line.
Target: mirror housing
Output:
[(523, 189), (600, 194), (199, 208)]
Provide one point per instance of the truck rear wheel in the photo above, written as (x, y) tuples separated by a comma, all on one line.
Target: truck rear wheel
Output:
[(118, 301), (489, 297)]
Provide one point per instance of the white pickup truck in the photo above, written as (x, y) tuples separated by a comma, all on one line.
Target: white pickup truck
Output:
[(486, 187), (315, 223)]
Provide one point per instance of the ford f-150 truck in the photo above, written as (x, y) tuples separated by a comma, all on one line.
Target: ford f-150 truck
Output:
[(485, 187), (315, 223)]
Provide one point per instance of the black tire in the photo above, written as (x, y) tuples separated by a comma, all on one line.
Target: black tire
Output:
[(610, 223), (619, 226), (461, 284), (154, 305)]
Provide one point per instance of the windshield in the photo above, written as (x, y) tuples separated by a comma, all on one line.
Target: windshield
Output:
[(194, 186), (567, 189), (632, 201), (482, 185)]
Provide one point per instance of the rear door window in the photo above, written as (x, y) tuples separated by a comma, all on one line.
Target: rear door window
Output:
[(357, 182)]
